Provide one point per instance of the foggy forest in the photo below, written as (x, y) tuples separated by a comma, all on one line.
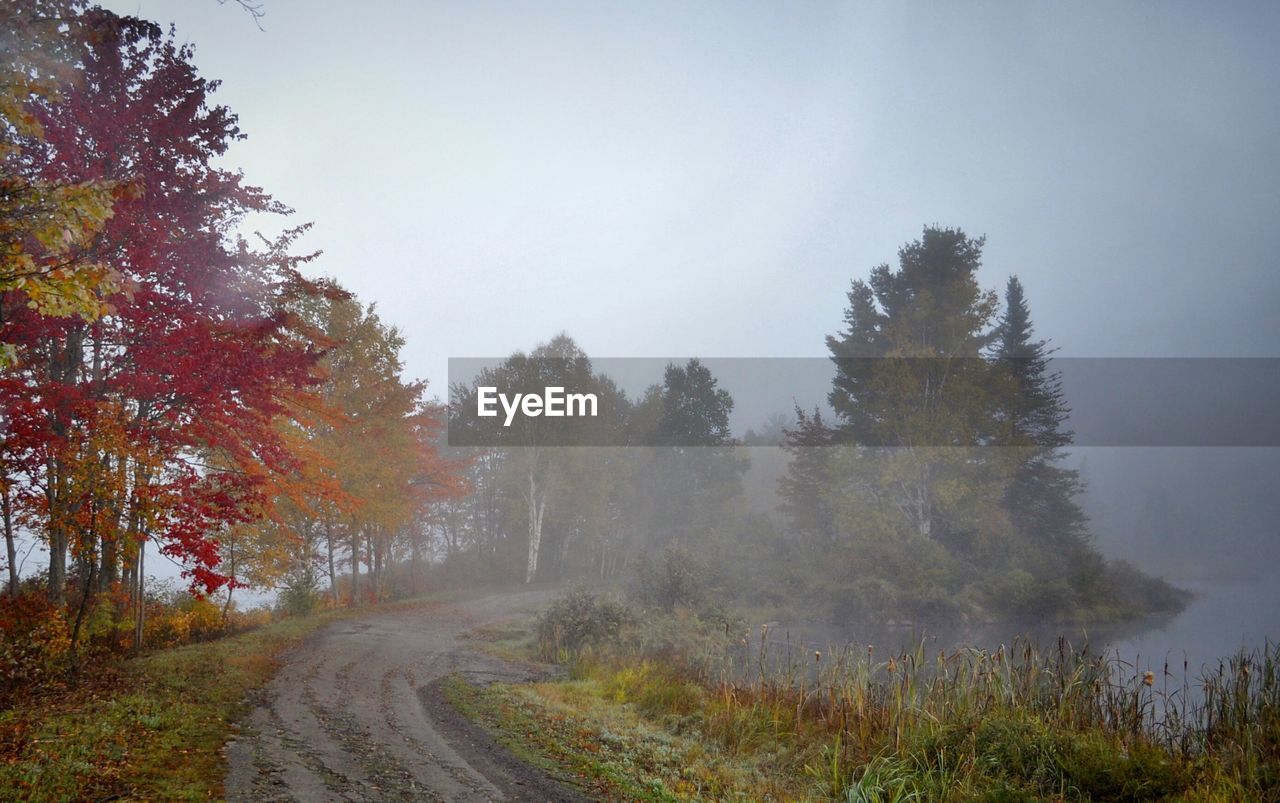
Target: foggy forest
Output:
[(744, 402)]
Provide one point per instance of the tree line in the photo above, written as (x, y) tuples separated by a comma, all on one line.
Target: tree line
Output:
[(935, 488)]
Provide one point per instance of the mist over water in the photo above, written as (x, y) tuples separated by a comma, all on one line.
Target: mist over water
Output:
[(1203, 518), (1224, 617)]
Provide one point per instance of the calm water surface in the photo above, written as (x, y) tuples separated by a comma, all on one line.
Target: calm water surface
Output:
[(1224, 617)]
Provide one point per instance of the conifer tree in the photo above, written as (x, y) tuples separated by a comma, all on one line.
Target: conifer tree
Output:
[(695, 411), (806, 486), (910, 376), (1041, 499)]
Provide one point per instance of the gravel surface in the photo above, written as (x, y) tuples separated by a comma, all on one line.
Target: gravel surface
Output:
[(353, 715)]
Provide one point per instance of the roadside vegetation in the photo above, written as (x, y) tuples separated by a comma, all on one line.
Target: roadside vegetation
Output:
[(664, 705), (148, 728)]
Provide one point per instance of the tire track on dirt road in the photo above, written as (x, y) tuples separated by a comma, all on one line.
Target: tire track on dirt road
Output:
[(344, 719)]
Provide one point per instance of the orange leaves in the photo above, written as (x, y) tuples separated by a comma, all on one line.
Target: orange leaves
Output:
[(373, 449), (363, 446), (34, 641)]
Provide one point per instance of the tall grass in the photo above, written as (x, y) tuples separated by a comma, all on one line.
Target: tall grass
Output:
[(1015, 723)]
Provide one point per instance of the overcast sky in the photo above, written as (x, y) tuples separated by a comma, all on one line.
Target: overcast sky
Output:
[(705, 178)]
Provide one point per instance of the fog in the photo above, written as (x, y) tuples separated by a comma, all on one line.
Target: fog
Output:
[(705, 181), (662, 179), (571, 400)]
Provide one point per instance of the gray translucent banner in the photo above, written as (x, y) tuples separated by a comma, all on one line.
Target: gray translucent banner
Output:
[(934, 402)]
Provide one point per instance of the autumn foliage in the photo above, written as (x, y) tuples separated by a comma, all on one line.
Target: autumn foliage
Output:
[(165, 382)]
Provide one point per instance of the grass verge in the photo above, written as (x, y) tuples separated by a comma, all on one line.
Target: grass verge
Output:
[(150, 728), (639, 730), (609, 751), (637, 721)]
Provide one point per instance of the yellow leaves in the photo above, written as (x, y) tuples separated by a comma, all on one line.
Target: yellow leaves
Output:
[(58, 217), (13, 112), (194, 620), (76, 290), (46, 226), (44, 230)]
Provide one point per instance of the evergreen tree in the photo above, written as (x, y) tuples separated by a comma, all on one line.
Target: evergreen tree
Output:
[(910, 375), (698, 471), (695, 412), (1032, 406), (1041, 499), (909, 333), (805, 488)]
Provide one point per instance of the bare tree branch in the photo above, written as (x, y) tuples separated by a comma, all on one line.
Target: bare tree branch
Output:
[(255, 10)]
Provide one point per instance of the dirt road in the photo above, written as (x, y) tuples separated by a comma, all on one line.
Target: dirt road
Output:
[(353, 716)]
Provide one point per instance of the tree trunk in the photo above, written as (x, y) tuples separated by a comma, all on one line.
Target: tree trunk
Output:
[(371, 549), (375, 566), (134, 538), (537, 507), (109, 571), (57, 564), (110, 564), (63, 368), (231, 587), (10, 546), (80, 611), (415, 535), (333, 575), (355, 565), (141, 600)]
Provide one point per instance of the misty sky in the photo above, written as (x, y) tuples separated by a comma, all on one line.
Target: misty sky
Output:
[(704, 179)]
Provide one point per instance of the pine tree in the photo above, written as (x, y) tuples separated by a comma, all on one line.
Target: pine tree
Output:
[(910, 375), (805, 487), (1041, 499), (1033, 409), (695, 411)]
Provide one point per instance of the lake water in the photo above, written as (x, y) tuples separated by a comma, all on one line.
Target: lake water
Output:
[(1223, 617)]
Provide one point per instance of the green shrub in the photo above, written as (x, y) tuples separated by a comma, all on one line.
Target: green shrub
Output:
[(684, 638), (678, 579), (1135, 592), (577, 620), (1019, 595), (866, 599), (301, 595)]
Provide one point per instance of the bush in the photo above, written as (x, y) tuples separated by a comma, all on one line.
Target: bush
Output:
[(867, 599), (1020, 596), (34, 643), (577, 620), (192, 619), (678, 580), (301, 595), (684, 638), (239, 621), (1135, 592)]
